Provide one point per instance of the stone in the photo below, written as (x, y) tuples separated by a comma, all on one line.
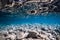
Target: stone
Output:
[(20, 35), (32, 35), (11, 36)]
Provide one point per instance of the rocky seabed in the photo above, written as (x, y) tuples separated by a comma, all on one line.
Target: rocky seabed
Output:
[(30, 32)]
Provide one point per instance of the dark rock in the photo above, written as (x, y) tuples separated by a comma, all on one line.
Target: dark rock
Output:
[(32, 11), (8, 39), (43, 29), (57, 39), (5, 35), (32, 35), (58, 31)]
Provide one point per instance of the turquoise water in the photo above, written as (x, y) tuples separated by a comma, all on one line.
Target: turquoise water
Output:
[(49, 19)]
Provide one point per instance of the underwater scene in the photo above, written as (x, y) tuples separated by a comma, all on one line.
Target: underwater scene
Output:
[(29, 20)]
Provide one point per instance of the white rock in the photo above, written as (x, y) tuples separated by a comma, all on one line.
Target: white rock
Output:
[(20, 35), (12, 36)]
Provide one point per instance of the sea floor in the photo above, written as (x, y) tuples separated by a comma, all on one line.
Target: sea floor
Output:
[(30, 32)]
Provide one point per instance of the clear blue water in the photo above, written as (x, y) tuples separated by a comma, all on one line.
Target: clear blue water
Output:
[(49, 19)]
